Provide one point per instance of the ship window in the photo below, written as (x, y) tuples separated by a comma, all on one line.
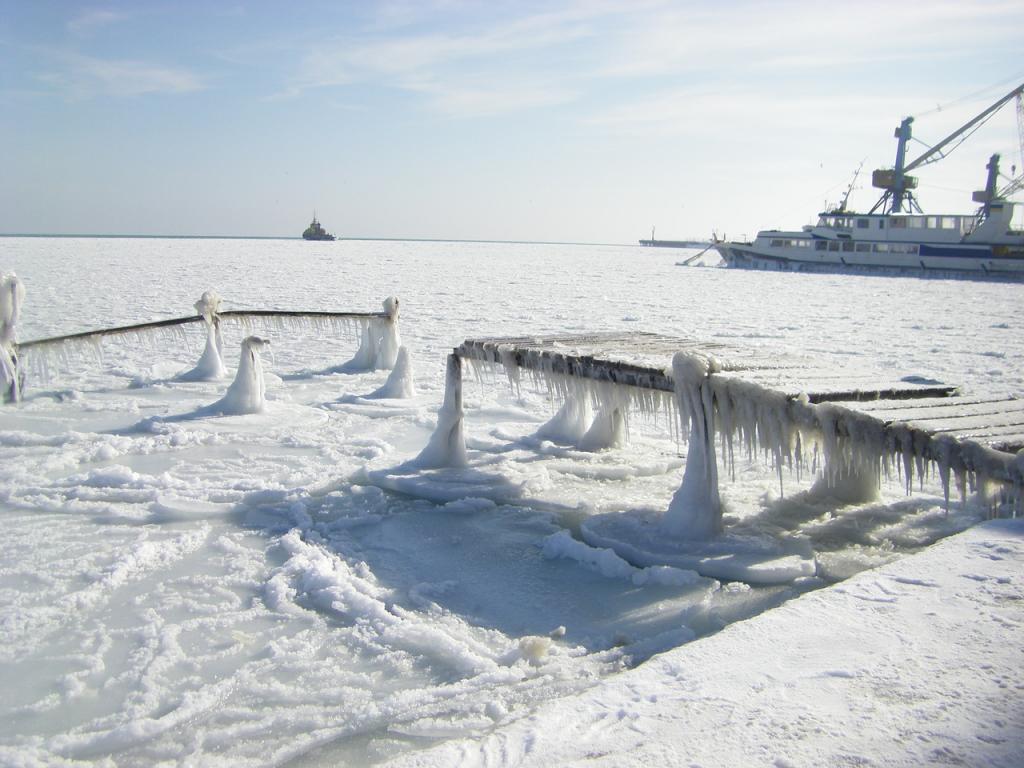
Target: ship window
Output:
[(863, 223), (933, 222), (898, 223), (820, 245), (881, 248), (913, 249), (916, 222), (881, 223), (833, 246), (848, 246), (950, 222), (776, 243), (862, 247)]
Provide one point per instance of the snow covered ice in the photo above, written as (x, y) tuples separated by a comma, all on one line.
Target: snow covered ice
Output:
[(286, 584)]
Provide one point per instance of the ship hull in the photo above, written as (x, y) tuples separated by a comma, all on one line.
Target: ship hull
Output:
[(979, 262)]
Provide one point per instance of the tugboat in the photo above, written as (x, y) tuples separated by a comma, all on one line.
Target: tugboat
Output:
[(316, 232), (896, 236)]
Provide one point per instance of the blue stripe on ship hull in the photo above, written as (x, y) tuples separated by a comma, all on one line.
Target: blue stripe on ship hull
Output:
[(956, 251)]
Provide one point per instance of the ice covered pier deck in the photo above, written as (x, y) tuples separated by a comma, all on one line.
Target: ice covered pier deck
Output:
[(854, 425)]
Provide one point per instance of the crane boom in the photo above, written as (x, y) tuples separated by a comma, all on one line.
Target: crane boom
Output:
[(897, 182), (937, 149)]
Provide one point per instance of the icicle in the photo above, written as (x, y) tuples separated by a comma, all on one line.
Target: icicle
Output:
[(247, 392), (696, 511), (12, 377), (400, 382), (447, 446)]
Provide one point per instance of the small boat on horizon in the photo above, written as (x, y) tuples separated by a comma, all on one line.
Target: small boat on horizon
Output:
[(896, 236), (316, 232)]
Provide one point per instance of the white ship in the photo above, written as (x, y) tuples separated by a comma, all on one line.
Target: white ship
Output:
[(896, 236)]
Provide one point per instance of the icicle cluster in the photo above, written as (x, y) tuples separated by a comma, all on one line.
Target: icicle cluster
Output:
[(593, 415), (851, 450), (12, 378)]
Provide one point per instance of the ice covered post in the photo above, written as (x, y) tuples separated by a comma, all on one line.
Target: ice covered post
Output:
[(378, 348), (211, 365), (447, 446), (696, 508), (247, 391), (12, 379)]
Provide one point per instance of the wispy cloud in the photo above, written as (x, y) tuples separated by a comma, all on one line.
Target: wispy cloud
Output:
[(478, 71), (476, 98), (90, 20), (83, 77)]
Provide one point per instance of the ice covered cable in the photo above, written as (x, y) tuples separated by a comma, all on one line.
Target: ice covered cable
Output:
[(211, 365), (12, 294)]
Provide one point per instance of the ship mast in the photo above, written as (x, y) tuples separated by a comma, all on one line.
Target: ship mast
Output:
[(897, 182)]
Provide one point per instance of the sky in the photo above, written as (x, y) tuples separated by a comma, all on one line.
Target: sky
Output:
[(587, 121)]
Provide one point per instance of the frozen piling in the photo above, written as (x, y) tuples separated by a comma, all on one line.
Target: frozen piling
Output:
[(12, 378)]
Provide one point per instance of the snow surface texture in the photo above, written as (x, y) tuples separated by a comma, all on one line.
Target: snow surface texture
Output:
[(243, 591), (843, 677), (12, 294)]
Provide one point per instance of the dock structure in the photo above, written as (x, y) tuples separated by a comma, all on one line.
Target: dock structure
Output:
[(855, 425)]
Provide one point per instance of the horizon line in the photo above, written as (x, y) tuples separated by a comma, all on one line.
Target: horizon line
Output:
[(299, 237)]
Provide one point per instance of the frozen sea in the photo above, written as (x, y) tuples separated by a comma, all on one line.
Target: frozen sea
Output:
[(239, 590)]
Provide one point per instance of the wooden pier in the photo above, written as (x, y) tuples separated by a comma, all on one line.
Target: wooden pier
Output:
[(862, 421)]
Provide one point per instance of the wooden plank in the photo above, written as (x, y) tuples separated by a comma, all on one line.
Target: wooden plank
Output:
[(831, 388), (945, 407)]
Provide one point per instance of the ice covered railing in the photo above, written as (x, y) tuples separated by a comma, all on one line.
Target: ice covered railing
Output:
[(850, 429), (376, 332)]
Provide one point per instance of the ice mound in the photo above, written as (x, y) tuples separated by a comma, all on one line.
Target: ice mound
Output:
[(400, 384)]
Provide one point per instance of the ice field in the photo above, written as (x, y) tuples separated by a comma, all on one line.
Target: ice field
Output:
[(186, 588)]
